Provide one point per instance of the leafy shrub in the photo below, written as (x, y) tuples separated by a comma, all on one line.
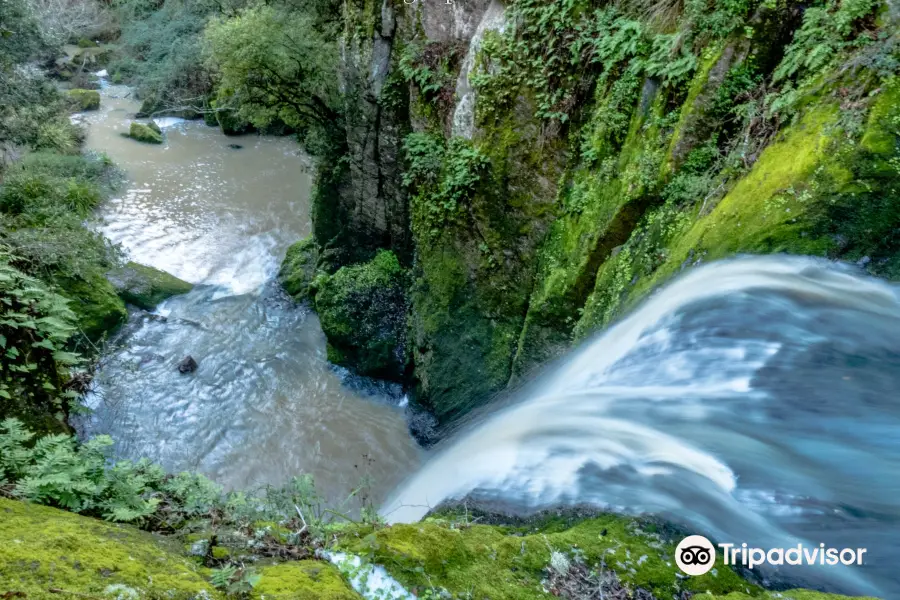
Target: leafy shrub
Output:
[(35, 325), (57, 470)]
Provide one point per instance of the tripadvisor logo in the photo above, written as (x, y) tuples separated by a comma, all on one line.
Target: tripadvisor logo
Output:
[(696, 555)]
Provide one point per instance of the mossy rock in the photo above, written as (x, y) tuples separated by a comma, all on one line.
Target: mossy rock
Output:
[(231, 124), (302, 580), (144, 286), (145, 133), (298, 270), (513, 562), (97, 306), (362, 309), (46, 550), (82, 100)]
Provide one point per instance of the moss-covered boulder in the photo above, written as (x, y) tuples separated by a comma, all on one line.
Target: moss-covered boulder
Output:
[(144, 133), (97, 306), (302, 580), (568, 557), (144, 286), (231, 124), (52, 553), (363, 313), (82, 100), (298, 270)]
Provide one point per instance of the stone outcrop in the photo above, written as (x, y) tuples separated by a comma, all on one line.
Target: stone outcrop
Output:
[(528, 222)]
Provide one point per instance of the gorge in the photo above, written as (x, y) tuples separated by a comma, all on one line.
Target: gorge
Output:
[(626, 266)]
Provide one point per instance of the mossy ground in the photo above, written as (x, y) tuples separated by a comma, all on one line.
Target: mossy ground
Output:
[(513, 562), (50, 553), (144, 286), (46, 552), (302, 580)]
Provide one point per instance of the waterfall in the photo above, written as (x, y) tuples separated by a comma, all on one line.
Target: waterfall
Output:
[(752, 400), (494, 19)]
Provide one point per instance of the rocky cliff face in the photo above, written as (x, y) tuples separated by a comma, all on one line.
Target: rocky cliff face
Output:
[(539, 167)]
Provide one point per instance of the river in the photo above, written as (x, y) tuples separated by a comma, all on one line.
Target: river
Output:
[(264, 404), (752, 400)]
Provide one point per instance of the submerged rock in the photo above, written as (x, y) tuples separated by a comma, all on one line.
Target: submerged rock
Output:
[(187, 365), (144, 133), (144, 286), (82, 100)]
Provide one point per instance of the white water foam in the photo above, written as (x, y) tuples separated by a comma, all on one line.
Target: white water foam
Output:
[(646, 419), (464, 114)]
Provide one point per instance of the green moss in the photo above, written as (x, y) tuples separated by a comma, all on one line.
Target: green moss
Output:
[(699, 96), (47, 549), (95, 302), (814, 191), (144, 133), (144, 286), (298, 270), (302, 580), (362, 309), (82, 100), (603, 203), (487, 561), (231, 124)]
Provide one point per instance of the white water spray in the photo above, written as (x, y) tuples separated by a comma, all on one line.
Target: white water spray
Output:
[(687, 409)]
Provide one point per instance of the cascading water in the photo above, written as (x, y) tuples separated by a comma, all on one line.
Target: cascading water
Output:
[(752, 400), (494, 19)]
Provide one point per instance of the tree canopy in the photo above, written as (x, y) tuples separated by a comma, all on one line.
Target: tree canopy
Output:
[(275, 65)]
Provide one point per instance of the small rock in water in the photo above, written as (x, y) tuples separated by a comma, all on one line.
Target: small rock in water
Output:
[(188, 365), (235, 146)]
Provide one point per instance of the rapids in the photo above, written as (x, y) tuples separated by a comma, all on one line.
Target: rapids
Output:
[(752, 400)]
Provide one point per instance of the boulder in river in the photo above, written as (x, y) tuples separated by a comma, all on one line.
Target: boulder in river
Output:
[(82, 100), (144, 133), (144, 286), (187, 365)]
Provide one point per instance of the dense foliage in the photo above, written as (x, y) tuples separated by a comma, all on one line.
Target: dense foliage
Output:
[(48, 258), (58, 471)]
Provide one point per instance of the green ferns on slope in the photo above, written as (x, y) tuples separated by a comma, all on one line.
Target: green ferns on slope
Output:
[(623, 143)]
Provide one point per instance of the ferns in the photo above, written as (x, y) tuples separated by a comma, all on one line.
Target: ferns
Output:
[(35, 324), (58, 471)]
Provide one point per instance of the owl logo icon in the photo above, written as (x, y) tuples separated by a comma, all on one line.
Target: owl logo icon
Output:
[(695, 555)]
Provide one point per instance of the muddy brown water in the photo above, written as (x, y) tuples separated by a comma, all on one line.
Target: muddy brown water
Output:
[(264, 404)]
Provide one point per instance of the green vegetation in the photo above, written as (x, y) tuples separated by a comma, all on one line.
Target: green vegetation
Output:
[(261, 74), (75, 556), (82, 100), (261, 546), (362, 309), (144, 133), (298, 270)]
